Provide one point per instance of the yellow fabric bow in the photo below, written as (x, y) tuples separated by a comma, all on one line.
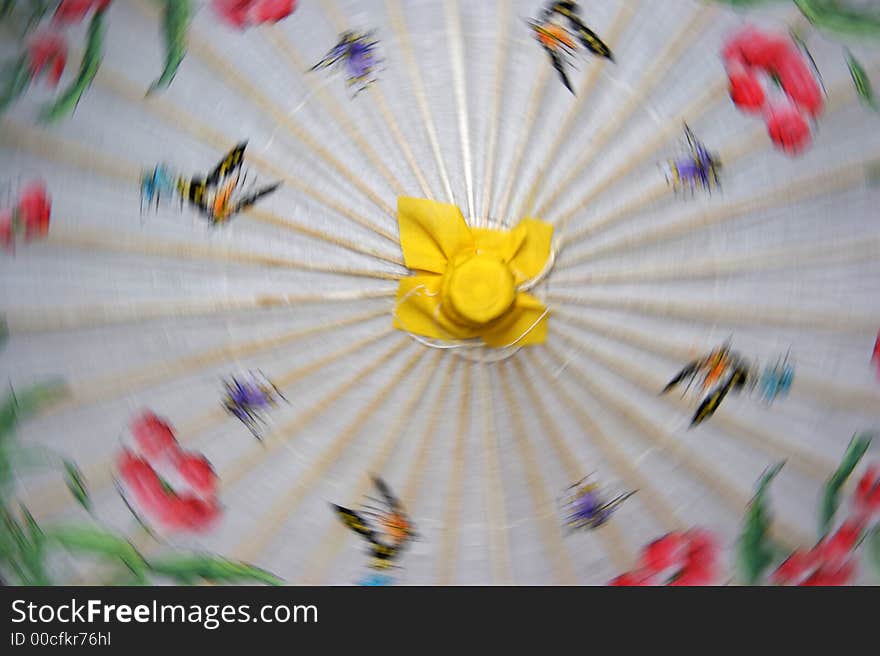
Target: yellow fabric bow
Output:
[(466, 282)]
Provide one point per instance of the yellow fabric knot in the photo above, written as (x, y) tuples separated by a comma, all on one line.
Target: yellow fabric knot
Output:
[(466, 280)]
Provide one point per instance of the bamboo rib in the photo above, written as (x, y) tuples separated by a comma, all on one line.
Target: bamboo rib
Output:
[(271, 522), (398, 24), (338, 19), (621, 21), (536, 99), (732, 495), (53, 496), (710, 97), (649, 495), (187, 123), (285, 434), (456, 53), (84, 317), (409, 493), (233, 473), (317, 563), (659, 68), (498, 542), (492, 118), (396, 133), (127, 243), (201, 49), (837, 396), (610, 535), (788, 259), (69, 153), (813, 466), (114, 386), (560, 558), (740, 148), (730, 314), (297, 63), (452, 514), (234, 79)]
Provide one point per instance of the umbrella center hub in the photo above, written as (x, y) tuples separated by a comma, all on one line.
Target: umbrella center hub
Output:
[(479, 288)]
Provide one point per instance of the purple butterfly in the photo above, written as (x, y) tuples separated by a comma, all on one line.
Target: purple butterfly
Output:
[(699, 168), (248, 400), (586, 506), (357, 52)]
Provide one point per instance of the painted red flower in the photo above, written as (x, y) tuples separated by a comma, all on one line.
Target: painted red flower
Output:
[(829, 563), (867, 496), (788, 129), (47, 52), (154, 496), (746, 91), (154, 435), (7, 236), (688, 558), (34, 209), (779, 58), (632, 579), (876, 357), (663, 552), (73, 11), (751, 54), (169, 486), (197, 471), (245, 13)]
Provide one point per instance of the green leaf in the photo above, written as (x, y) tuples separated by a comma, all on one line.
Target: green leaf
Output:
[(190, 567), (19, 406), (14, 530), (755, 551), (34, 554), (38, 9), (861, 81), (85, 539), (830, 497), (873, 541), (832, 16), (177, 15), (66, 103), (4, 332), (15, 78), (34, 530), (6, 7), (76, 484)]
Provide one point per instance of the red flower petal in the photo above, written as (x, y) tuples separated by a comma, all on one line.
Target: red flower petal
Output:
[(7, 236), (800, 84), (35, 207), (793, 568), (663, 553), (265, 11), (72, 11), (746, 91), (234, 12), (631, 579), (788, 129), (173, 510), (153, 434), (869, 484), (839, 545), (198, 473), (244, 13), (702, 550), (47, 49)]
